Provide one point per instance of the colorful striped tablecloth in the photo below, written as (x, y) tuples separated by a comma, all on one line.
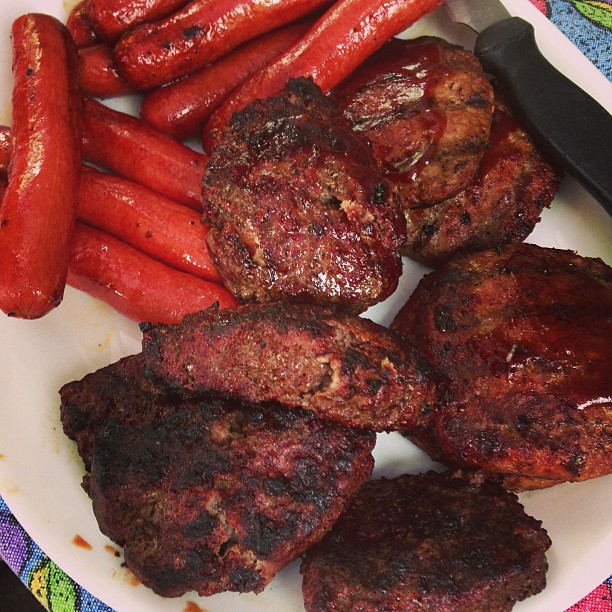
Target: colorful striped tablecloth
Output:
[(588, 23)]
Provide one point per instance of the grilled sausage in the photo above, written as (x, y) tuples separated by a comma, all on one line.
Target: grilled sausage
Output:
[(39, 207)]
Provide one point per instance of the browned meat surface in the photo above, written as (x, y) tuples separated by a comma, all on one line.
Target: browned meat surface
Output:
[(298, 208), (502, 205), (426, 107), (428, 542), (343, 367), (522, 334), (210, 495)]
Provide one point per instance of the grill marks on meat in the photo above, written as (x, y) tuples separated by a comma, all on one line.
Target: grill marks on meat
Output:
[(469, 176), (506, 370), (208, 495), (298, 208), (343, 367), (502, 205), (425, 105), (522, 335), (438, 542)]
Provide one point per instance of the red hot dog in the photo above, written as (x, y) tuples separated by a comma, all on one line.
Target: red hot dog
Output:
[(150, 222), (155, 225), (79, 26), (98, 76), (39, 208), (349, 32), (131, 148), (133, 283), (111, 18), (201, 32), (180, 109)]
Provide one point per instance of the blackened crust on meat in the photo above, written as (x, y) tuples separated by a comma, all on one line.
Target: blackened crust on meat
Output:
[(298, 208), (522, 336), (427, 542), (425, 105), (213, 495), (120, 391), (343, 367), (502, 205)]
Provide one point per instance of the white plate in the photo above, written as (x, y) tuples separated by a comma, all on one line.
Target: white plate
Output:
[(40, 471)]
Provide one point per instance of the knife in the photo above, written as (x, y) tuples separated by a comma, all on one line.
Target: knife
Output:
[(573, 128)]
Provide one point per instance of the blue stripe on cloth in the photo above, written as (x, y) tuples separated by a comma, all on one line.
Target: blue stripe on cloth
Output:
[(588, 24)]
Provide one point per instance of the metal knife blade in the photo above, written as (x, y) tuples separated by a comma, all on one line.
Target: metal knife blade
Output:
[(567, 123), (478, 17)]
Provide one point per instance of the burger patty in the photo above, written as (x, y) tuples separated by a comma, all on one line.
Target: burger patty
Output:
[(343, 367), (209, 495), (298, 208), (521, 336), (501, 205), (432, 541), (425, 105)]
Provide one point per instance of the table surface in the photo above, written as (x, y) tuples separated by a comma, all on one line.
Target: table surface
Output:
[(14, 595), (588, 23)]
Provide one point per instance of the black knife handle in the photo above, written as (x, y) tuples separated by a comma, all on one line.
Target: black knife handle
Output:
[(574, 129)]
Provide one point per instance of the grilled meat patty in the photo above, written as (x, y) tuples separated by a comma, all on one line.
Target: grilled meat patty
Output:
[(502, 204), (298, 208), (343, 367), (425, 105), (521, 335), (209, 495), (427, 542)]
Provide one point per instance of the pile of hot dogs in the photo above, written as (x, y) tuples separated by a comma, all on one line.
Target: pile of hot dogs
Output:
[(132, 234)]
